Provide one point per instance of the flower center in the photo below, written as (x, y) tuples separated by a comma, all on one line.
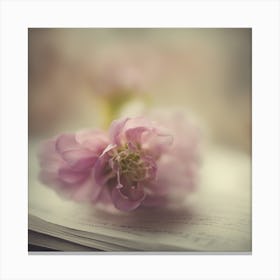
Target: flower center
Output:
[(132, 164)]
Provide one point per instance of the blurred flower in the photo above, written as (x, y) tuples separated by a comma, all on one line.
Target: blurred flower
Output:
[(117, 76), (67, 161), (139, 163), (116, 84), (131, 69)]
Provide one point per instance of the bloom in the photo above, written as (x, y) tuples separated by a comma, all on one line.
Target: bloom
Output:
[(138, 163)]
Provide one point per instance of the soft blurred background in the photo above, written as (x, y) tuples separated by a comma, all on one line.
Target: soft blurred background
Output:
[(81, 78)]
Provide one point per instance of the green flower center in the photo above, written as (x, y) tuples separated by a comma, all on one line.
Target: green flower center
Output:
[(130, 163)]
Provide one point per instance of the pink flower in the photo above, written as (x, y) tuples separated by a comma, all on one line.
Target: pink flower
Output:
[(129, 70), (140, 162)]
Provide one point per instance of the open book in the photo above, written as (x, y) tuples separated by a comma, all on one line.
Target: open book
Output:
[(217, 218)]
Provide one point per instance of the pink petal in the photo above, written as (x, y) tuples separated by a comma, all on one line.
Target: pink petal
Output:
[(116, 130), (93, 140), (121, 202), (79, 159), (139, 122), (150, 163), (49, 159), (81, 192), (102, 170), (69, 176), (103, 195), (84, 192), (98, 189), (74, 153), (156, 142), (66, 142), (133, 135), (175, 178), (133, 193), (47, 151)]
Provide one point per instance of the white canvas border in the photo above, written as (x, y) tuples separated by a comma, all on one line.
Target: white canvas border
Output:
[(262, 16)]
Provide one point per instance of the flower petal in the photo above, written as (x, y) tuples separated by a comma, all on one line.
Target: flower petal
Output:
[(133, 192), (156, 142), (93, 140), (50, 161), (121, 202), (79, 159), (101, 195), (151, 167), (69, 176), (116, 129), (48, 156), (66, 142), (84, 192), (81, 192), (133, 135), (102, 170)]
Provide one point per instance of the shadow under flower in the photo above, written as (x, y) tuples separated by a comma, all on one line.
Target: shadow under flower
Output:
[(151, 220)]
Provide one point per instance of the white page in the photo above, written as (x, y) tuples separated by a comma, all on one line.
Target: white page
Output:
[(218, 218)]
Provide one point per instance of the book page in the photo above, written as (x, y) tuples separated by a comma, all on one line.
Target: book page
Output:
[(217, 218)]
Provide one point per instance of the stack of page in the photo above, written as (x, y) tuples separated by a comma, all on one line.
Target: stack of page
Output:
[(217, 218)]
